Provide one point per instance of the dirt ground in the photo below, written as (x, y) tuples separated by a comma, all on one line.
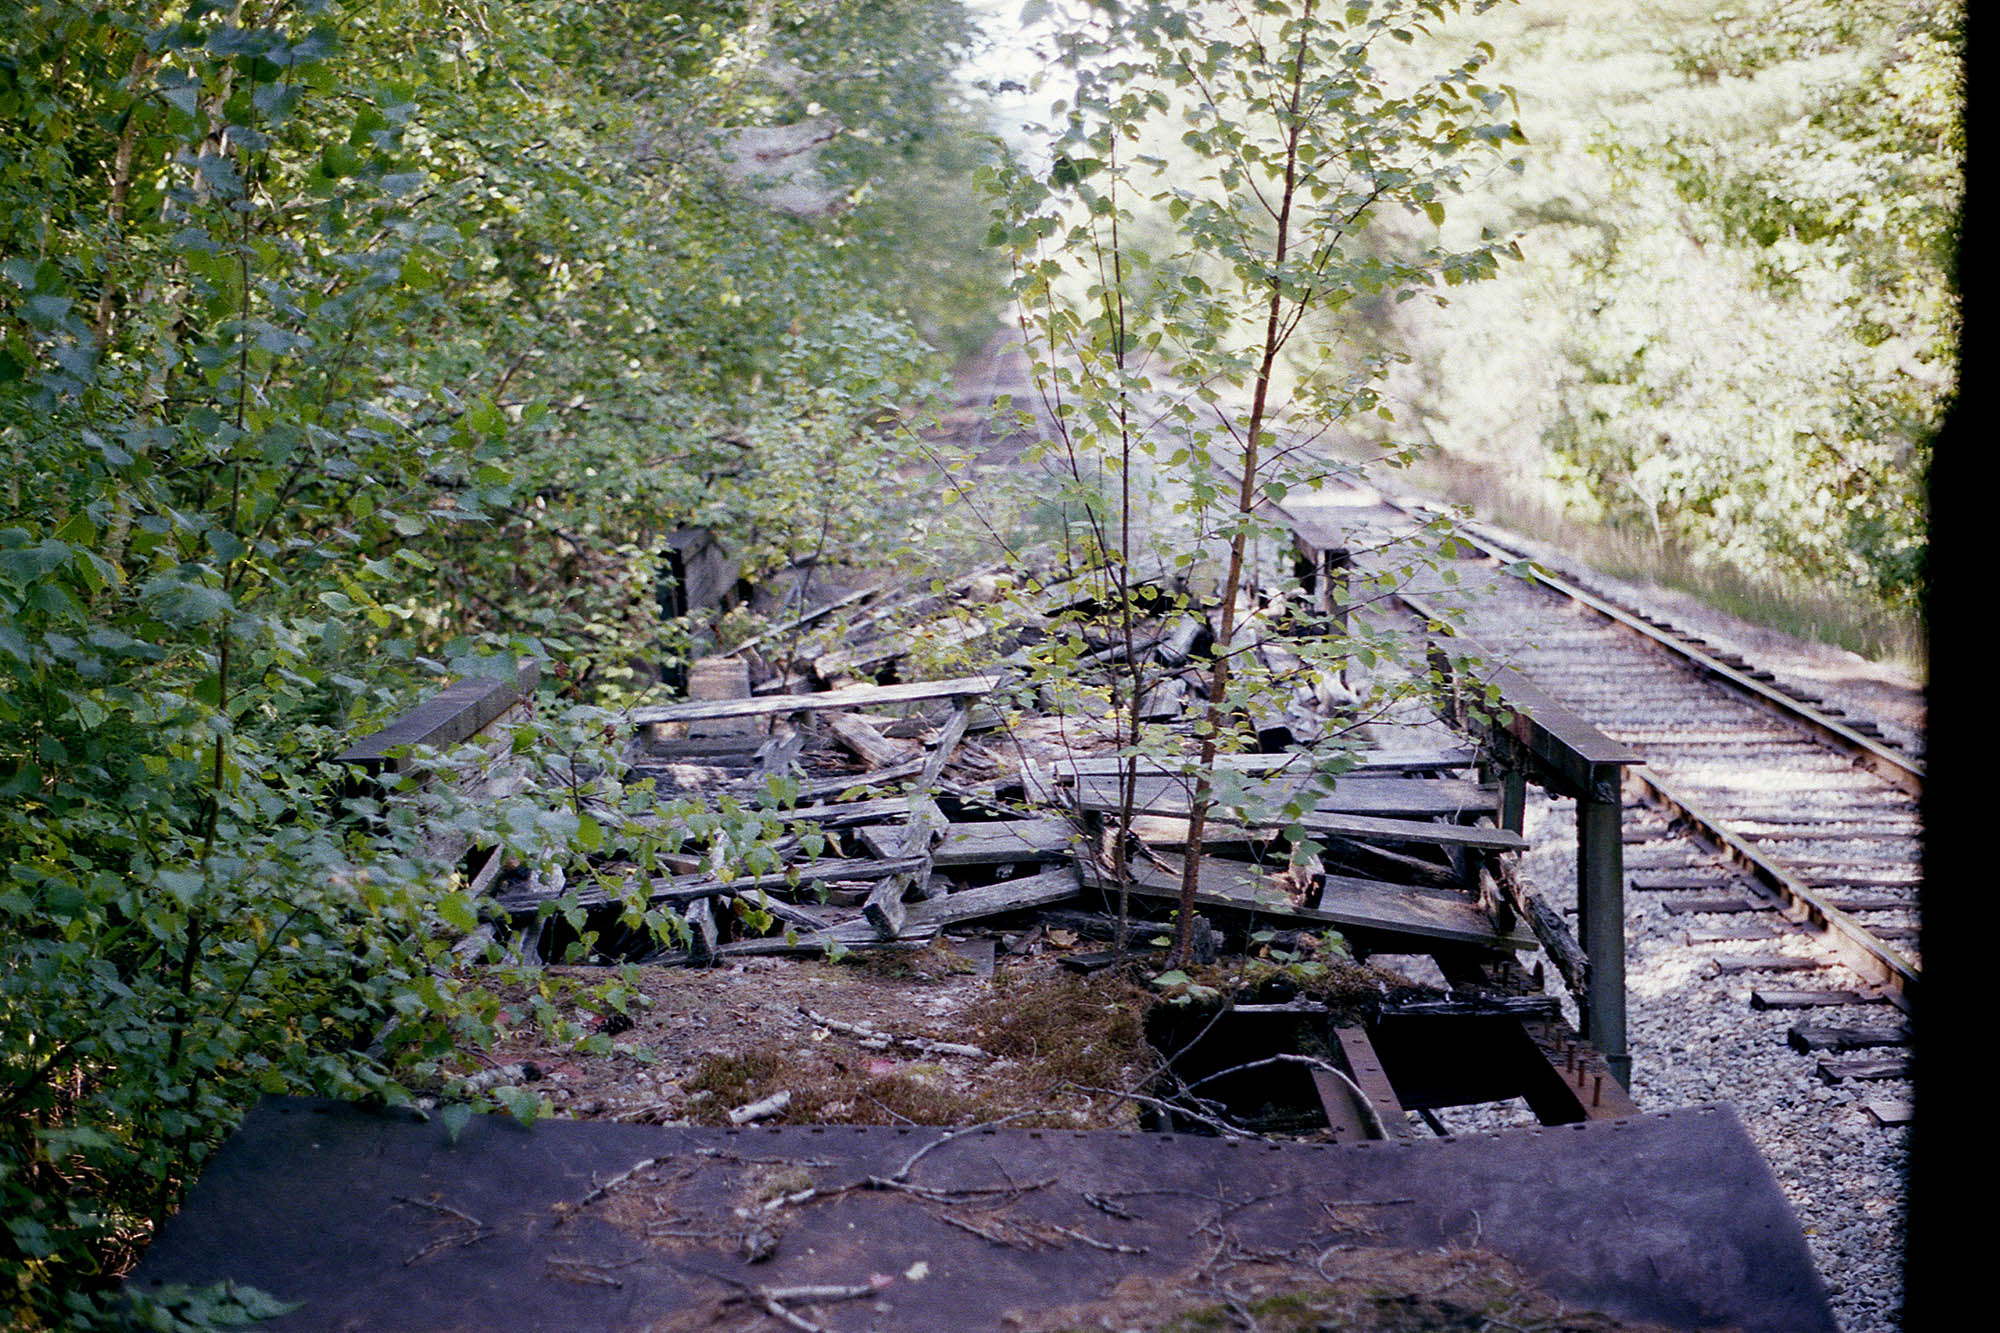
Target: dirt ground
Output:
[(704, 1041)]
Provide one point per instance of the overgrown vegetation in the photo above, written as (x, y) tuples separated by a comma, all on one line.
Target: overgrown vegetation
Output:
[(341, 344), (1216, 183), (348, 343), (1734, 334)]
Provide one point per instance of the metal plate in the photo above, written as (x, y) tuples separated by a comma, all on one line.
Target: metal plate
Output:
[(1672, 1218)]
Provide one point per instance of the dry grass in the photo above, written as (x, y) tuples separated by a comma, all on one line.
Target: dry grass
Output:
[(1052, 1035), (1366, 1289), (1873, 631)]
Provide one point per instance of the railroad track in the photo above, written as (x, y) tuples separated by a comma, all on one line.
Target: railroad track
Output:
[(1772, 867), (1772, 860), (1810, 811)]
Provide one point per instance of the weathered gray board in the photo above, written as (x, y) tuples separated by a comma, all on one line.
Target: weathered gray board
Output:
[(853, 696), (718, 678), (456, 713), (1295, 762), (995, 842), (1361, 828), (1669, 1218), (1363, 904), (1388, 798), (678, 889)]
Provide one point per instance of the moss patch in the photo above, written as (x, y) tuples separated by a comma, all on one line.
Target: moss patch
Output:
[(1370, 1290)]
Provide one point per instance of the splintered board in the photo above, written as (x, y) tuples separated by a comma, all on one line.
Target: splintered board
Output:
[(853, 696), (1361, 904), (1386, 798)]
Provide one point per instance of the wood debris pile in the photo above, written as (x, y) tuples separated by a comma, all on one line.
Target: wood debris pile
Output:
[(920, 806)]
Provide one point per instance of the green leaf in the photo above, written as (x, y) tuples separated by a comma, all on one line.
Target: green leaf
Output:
[(455, 1117)]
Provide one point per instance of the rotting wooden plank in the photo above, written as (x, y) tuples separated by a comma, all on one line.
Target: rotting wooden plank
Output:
[(1371, 828), (1682, 882), (993, 843), (813, 789), (1381, 797), (1729, 932), (1297, 762), (713, 679), (852, 696), (1804, 1037), (1012, 895), (679, 889), (1864, 1066), (870, 746), (703, 934), (847, 814), (456, 713), (776, 757), (1364, 829), (1873, 902), (1363, 904), (948, 737), (1765, 962), (1781, 998), (884, 906), (1701, 906)]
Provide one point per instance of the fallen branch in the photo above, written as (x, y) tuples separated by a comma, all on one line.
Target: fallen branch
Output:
[(1222, 1127), (773, 1299), (994, 1237), (868, 1035), (1368, 1110), (563, 1210), (476, 1229)]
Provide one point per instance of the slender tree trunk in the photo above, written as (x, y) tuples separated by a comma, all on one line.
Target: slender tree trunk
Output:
[(1275, 332)]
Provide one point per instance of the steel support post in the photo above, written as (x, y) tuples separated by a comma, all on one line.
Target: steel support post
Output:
[(1600, 885), (1513, 798)]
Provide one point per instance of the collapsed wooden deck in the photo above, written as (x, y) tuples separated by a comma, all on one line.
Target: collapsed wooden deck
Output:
[(983, 804), (927, 810)]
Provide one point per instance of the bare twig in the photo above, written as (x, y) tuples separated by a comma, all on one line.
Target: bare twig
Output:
[(996, 1238), (563, 1210), (1109, 1247), (586, 1271), (1368, 1110), (474, 1232)]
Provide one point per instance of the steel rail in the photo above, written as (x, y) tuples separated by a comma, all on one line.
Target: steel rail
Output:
[(1857, 947), (1848, 938), (1899, 769)]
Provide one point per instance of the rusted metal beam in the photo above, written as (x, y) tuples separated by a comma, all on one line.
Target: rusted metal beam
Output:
[(1600, 894)]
